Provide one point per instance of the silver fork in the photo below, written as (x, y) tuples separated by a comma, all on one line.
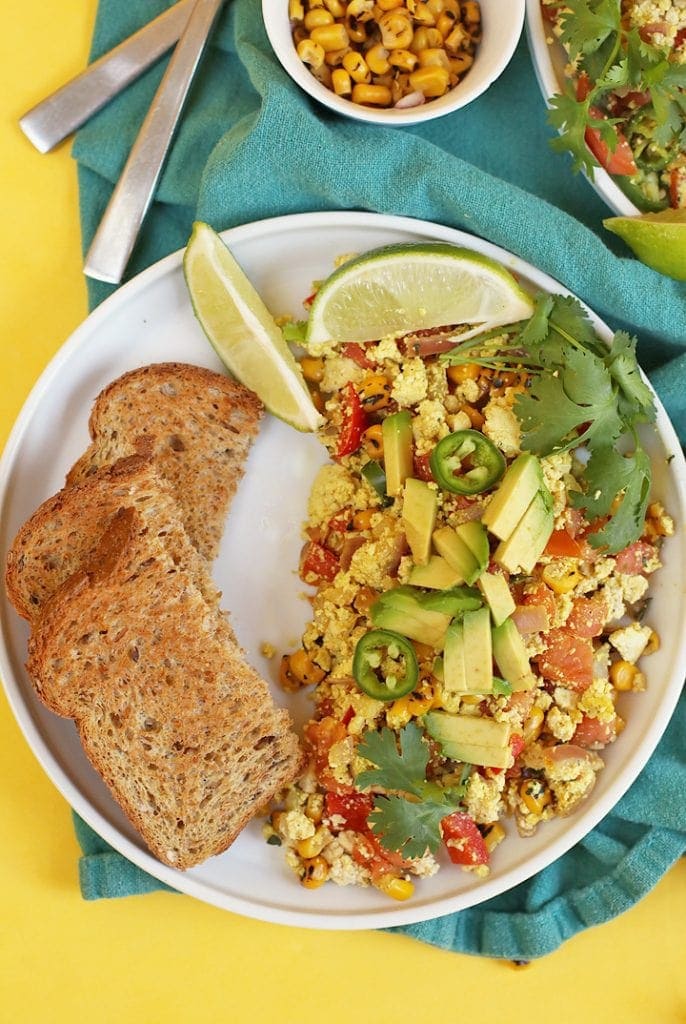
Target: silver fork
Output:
[(53, 119), (116, 235)]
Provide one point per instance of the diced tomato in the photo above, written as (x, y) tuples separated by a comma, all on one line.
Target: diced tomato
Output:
[(462, 838), (353, 424), (540, 593), (567, 659), (309, 300), (422, 468), (550, 12), (342, 522), (348, 716), (369, 852), (562, 545), (619, 160), (593, 734), (352, 350), (588, 616), (320, 736), (317, 564), (679, 38), (632, 560), (354, 808)]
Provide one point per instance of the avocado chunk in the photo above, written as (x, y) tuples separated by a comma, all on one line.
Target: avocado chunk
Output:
[(497, 595), (419, 518), (475, 537), (453, 602), (457, 554), (435, 575), (514, 495), (478, 652), (524, 546), (511, 657), (454, 678), (471, 739), (399, 610), (396, 431)]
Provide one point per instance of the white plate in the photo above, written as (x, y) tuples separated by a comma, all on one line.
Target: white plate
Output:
[(549, 60), (149, 320)]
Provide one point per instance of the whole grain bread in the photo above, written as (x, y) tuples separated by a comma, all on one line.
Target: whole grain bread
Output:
[(183, 731), (197, 426), (65, 530)]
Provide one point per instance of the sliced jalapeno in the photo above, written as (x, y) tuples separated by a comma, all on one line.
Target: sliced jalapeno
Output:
[(466, 462), (385, 665)]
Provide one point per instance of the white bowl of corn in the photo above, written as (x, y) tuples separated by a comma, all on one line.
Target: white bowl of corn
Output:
[(394, 62)]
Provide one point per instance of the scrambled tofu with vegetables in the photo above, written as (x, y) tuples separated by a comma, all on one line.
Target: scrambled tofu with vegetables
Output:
[(479, 550)]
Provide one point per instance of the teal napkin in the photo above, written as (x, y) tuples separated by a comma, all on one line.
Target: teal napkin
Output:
[(252, 145)]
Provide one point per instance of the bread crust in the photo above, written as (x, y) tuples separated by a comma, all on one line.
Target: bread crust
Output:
[(197, 425)]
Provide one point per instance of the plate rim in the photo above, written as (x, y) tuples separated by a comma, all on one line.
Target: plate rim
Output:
[(186, 882)]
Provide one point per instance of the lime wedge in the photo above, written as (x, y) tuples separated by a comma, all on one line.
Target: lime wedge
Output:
[(658, 239), (242, 330), (402, 288)]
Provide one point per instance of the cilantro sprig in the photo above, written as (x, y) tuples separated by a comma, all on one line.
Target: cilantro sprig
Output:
[(407, 818), (612, 58), (582, 393)]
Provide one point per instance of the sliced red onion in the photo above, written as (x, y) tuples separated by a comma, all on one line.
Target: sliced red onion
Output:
[(413, 99)]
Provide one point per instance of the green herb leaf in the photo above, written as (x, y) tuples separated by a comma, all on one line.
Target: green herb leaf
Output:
[(609, 474), (635, 398), (294, 331), (408, 828), (586, 24), (401, 769)]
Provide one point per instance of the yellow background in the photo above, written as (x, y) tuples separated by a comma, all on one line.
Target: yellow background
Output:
[(164, 957)]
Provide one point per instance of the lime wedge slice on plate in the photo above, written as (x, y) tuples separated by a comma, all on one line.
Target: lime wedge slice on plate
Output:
[(658, 239), (242, 330), (403, 288)]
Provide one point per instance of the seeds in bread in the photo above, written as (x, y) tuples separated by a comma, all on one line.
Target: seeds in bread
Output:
[(197, 425), (66, 529), (181, 728)]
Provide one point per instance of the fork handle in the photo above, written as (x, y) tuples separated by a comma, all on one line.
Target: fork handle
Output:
[(116, 235), (53, 119)]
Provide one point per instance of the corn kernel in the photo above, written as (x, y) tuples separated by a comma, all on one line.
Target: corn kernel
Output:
[(461, 63), (476, 418), (375, 390), (315, 872), (465, 371), (493, 836), (622, 675), (296, 11), (396, 29), (377, 59), (561, 580), (318, 17), (535, 795), (533, 726), (313, 845), (336, 7), (404, 59), (304, 670), (340, 79), (313, 369), (397, 888), (310, 53), (445, 23), (653, 643), (356, 66), (330, 37)]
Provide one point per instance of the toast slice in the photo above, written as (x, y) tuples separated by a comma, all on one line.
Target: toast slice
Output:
[(65, 530), (183, 731), (198, 427)]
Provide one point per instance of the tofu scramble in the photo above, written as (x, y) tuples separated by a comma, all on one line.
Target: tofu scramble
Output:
[(468, 640), (634, 73)]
